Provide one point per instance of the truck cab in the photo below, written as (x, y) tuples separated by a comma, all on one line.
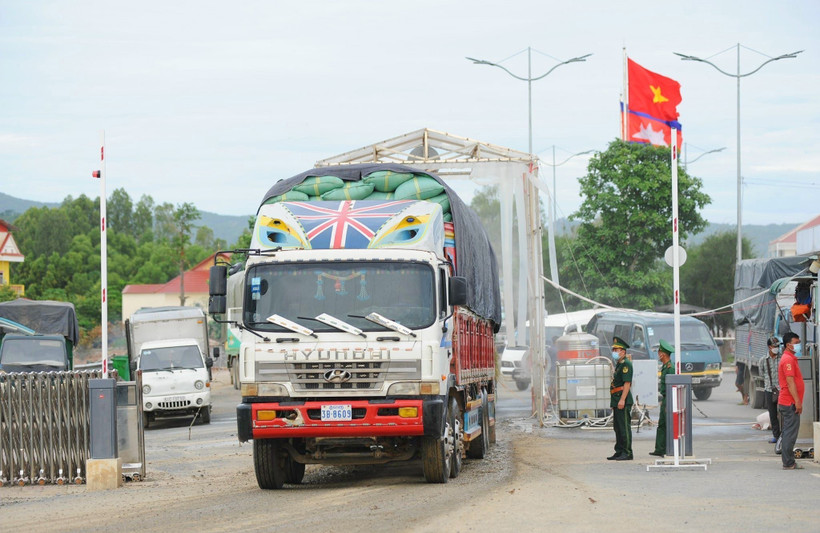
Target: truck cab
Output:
[(33, 353), (175, 379)]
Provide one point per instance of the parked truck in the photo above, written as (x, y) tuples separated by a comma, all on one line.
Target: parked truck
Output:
[(170, 346), (367, 325), (37, 335), (765, 291)]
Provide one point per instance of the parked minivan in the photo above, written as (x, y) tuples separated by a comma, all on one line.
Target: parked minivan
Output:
[(643, 331)]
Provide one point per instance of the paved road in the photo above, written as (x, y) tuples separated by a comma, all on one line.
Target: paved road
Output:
[(201, 479)]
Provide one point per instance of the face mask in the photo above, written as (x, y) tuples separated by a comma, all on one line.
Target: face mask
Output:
[(775, 350), (616, 355)]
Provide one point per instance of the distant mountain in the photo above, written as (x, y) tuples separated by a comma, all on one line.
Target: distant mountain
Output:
[(758, 235), (225, 227), (230, 227)]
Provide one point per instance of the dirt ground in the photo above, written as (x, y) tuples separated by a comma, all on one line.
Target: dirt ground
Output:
[(201, 479)]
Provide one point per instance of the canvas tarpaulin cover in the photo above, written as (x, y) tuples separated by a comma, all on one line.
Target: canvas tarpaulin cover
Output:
[(475, 257), (45, 317), (755, 275)]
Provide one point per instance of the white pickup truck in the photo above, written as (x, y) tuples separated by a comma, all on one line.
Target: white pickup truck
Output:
[(170, 346)]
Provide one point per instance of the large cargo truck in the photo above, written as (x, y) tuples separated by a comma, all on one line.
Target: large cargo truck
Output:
[(765, 291), (37, 335), (366, 332), (170, 346)]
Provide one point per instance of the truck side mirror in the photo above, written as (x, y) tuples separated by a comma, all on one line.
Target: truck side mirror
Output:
[(133, 366), (218, 281), (458, 291), (217, 305), (216, 351), (209, 362)]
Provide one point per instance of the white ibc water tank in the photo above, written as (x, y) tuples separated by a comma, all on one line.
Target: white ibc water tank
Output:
[(576, 347)]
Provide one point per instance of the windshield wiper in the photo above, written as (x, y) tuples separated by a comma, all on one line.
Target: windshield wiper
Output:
[(341, 325), (289, 324), (382, 320), (157, 370)]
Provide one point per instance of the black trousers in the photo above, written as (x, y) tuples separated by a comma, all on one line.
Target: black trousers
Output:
[(771, 405)]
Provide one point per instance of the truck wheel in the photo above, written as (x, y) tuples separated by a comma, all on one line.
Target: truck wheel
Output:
[(702, 393), (269, 463), (146, 420), (437, 453), (757, 397), (456, 422), (295, 472), (479, 447), (522, 385), (205, 414)]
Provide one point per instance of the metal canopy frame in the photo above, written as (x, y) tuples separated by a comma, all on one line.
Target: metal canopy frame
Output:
[(455, 157)]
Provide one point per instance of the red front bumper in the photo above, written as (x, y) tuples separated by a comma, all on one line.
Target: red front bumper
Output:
[(370, 419)]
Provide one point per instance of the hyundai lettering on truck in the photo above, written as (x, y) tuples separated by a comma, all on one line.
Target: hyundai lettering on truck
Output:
[(370, 300)]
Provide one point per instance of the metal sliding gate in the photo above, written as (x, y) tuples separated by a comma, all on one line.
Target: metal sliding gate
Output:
[(44, 427)]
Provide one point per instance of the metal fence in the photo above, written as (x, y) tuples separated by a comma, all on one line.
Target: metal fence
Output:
[(44, 427)]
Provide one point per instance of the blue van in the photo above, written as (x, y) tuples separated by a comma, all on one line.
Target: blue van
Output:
[(643, 332)]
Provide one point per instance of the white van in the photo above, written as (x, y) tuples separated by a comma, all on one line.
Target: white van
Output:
[(174, 380)]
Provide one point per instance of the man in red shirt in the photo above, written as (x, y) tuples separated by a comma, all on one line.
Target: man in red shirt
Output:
[(790, 399)]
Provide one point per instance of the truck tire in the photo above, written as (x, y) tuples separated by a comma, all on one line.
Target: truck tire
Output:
[(757, 396), (702, 393), (205, 414), (479, 447), (269, 461), (146, 420), (437, 453), (295, 471), (456, 422), (522, 385)]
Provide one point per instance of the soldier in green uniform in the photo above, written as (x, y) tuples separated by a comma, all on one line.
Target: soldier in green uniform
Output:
[(665, 356), (620, 400)]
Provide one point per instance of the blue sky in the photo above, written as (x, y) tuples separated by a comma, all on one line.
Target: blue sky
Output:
[(212, 102)]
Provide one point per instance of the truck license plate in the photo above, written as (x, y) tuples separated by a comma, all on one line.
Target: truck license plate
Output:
[(175, 398), (695, 381), (336, 413)]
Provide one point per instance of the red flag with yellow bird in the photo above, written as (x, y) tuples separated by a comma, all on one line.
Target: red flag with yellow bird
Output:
[(652, 94)]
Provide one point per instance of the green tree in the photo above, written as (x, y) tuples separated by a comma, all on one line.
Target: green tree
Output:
[(626, 221), (708, 276), (143, 221), (120, 212), (183, 216)]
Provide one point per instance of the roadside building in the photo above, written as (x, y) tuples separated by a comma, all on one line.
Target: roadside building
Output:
[(9, 253)]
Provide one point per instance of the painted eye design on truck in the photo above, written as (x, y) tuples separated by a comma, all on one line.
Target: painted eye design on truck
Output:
[(273, 232)]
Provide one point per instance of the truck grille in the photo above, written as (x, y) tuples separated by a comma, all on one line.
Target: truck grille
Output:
[(338, 375), (179, 404)]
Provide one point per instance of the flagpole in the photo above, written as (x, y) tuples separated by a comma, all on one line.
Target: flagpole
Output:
[(675, 248), (625, 110)]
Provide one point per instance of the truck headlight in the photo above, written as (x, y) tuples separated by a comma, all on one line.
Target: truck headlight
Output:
[(404, 388), (263, 389), (199, 384), (146, 389)]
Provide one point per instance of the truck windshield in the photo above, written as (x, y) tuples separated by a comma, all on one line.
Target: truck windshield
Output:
[(33, 351), (692, 336), (170, 358), (402, 292)]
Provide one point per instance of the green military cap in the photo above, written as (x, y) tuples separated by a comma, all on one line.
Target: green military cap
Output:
[(666, 347), (618, 342)]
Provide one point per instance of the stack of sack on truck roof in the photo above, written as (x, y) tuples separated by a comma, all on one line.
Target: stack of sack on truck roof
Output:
[(380, 185)]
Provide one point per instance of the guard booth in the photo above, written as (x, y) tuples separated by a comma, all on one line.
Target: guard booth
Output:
[(130, 433)]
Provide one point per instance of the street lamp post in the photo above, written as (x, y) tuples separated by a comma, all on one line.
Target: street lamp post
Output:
[(529, 79), (686, 155), (737, 76)]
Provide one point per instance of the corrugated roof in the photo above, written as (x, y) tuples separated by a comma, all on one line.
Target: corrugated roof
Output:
[(791, 236)]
